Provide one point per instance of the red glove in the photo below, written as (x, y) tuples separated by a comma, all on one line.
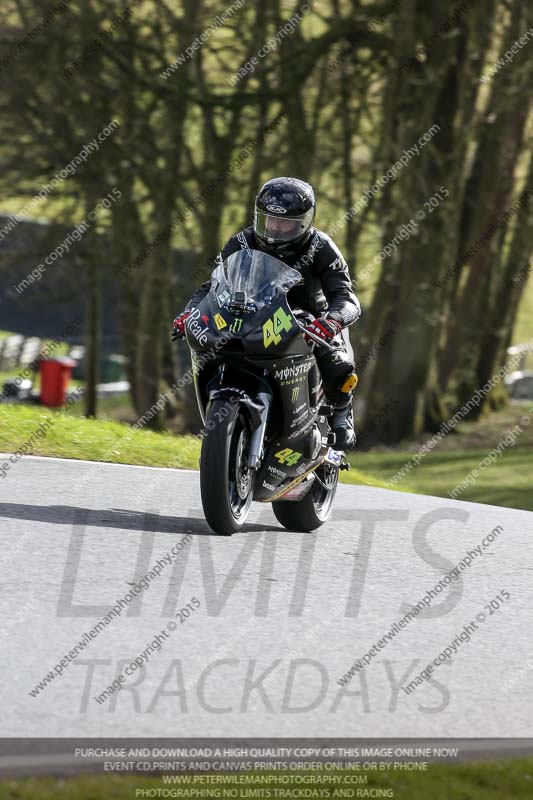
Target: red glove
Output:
[(178, 327), (324, 327)]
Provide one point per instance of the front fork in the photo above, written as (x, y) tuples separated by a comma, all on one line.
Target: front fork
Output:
[(258, 410), (263, 400)]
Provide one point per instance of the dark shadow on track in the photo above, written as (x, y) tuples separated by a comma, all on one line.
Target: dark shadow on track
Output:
[(116, 518)]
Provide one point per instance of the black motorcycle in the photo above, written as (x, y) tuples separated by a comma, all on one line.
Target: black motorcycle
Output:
[(266, 435)]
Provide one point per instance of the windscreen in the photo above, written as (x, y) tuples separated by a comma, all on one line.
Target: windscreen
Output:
[(251, 278)]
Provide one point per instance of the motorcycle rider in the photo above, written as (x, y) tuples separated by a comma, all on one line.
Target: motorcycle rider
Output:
[(283, 227)]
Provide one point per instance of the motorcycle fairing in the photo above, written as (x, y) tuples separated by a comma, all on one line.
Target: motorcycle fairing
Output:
[(301, 444), (253, 333), (245, 319)]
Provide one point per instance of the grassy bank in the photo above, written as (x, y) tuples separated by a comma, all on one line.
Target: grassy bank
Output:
[(507, 482), (69, 436), (503, 780)]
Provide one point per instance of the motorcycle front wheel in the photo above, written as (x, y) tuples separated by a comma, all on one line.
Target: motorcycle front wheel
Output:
[(314, 509), (226, 483)]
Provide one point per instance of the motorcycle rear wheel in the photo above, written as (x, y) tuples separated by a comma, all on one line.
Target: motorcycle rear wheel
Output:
[(226, 484), (314, 509)]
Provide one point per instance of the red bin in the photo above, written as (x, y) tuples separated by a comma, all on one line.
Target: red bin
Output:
[(55, 375)]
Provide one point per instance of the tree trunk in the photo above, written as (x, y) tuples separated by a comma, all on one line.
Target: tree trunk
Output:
[(152, 330), (511, 286), (487, 198), (92, 338), (408, 298)]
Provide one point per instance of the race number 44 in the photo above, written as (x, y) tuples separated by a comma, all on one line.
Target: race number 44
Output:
[(273, 327), (287, 456)]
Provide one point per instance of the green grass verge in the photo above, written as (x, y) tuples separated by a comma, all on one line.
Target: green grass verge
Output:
[(71, 436), (507, 482), (501, 780)]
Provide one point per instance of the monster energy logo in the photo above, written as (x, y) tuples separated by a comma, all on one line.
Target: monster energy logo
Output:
[(236, 325), (295, 393)]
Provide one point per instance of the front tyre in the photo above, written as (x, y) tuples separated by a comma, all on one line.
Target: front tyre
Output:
[(315, 508), (226, 483)]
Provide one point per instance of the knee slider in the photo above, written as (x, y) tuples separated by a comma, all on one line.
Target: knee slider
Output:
[(349, 384)]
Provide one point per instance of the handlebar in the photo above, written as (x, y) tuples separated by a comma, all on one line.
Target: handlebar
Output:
[(317, 339), (176, 335)]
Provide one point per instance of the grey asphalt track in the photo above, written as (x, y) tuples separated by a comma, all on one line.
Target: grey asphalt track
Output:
[(282, 615)]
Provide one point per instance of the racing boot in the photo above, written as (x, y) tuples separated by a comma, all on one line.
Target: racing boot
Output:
[(341, 422)]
